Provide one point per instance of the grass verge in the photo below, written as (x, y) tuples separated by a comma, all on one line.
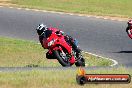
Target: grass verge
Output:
[(56, 79), (116, 8), (21, 53)]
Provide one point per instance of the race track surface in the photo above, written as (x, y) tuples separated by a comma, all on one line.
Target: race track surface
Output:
[(99, 36)]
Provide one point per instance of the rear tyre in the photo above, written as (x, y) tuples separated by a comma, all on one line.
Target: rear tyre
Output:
[(63, 60), (80, 62)]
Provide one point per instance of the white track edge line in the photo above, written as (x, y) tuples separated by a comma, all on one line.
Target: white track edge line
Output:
[(72, 14), (114, 61)]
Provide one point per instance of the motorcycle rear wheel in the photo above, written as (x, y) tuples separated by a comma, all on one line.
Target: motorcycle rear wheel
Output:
[(64, 63), (80, 62)]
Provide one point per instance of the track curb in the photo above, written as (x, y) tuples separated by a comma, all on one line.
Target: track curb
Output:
[(115, 63), (66, 13)]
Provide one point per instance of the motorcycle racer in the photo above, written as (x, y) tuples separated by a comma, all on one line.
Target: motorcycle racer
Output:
[(129, 28), (41, 28), (129, 23)]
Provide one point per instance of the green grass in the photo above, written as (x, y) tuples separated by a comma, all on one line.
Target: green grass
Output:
[(119, 8), (56, 79), (21, 53)]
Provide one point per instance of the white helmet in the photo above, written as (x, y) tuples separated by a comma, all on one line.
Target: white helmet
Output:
[(41, 28)]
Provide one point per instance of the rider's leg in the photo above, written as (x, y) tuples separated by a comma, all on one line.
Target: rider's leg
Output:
[(71, 41), (74, 45)]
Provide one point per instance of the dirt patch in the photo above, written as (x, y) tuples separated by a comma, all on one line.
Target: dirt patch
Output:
[(6, 3)]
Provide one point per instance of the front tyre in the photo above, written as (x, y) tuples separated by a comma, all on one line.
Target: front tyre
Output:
[(62, 58)]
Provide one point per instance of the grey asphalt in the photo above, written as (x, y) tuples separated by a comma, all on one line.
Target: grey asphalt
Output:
[(16, 69), (99, 36)]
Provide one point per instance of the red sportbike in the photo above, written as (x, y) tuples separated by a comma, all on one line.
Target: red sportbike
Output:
[(59, 49), (129, 32), (129, 28)]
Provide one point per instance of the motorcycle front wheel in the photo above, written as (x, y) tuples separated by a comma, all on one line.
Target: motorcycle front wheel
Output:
[(62, 58)]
